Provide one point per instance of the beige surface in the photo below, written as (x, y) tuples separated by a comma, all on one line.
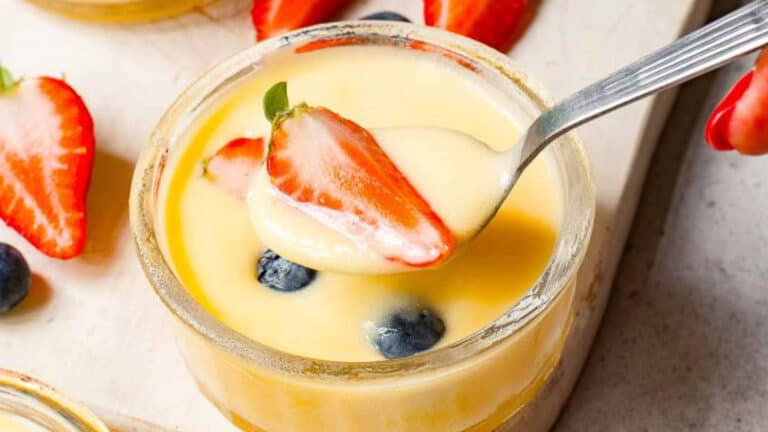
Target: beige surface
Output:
[(682, 345), (94, 329)]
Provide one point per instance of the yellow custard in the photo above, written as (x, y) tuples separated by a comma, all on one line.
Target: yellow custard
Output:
[(213, 246)]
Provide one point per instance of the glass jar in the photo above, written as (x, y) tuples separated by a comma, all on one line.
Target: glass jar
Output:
[(119, 10), (476, 384), (41, 408)]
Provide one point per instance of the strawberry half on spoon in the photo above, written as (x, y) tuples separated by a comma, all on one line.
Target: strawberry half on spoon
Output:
[(740, 121), (334, 171), (46, 159)]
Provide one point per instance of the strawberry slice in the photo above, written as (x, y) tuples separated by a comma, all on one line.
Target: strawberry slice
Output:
[(233, 166), (493, 22), (333, 170), (275, 17), (46, 159), (740, 121)]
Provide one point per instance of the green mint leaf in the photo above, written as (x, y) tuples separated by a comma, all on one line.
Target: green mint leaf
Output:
[(276, 100), (6, 79)]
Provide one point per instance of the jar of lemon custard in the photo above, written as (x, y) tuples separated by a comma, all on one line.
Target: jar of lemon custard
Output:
[(119, 10), (301, 357), (27, 405)]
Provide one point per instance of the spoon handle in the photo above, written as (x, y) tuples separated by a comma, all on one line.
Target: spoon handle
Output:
[(741, 32)]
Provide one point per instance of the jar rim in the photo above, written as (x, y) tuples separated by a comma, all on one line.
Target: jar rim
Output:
[(119, 10), (21, 394), (569, 251)]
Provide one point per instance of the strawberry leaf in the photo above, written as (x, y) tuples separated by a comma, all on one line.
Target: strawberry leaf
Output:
[(276, 100), (6, 80)]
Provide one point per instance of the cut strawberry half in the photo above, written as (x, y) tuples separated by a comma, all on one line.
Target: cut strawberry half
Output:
[(493, 22), (46, 159), (740, 121), (275, 17), (333, 170), (234, 165)]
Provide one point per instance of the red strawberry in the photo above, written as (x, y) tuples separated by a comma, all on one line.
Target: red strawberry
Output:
[(233, 166), (334, 170), (275, 17), (493, 22), (718, 126), (740, 121), (46, 158)]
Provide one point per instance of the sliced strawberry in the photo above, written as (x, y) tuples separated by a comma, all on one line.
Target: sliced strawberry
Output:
[(233, 166), (275, 17), (493, 22), (46, 159), (333, 170), (327, 43), (740, 121)]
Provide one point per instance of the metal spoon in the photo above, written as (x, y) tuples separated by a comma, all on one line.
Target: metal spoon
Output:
[(741, 32)]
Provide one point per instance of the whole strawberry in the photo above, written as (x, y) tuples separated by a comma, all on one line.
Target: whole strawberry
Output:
[(46, 159), (740, 121)]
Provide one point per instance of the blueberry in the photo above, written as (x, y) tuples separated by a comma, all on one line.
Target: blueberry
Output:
[(14, 277), (385, 16), (280, 274), (407, 332)]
